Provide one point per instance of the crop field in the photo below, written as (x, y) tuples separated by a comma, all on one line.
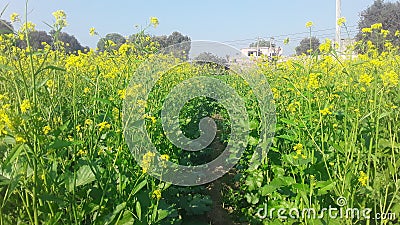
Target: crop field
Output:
[(64, 156)]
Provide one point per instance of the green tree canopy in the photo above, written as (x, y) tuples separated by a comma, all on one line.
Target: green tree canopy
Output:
[(304, 46), (387, 13), (117, 39), (261, 43), (71, 44), (5, 27), (36, 40)]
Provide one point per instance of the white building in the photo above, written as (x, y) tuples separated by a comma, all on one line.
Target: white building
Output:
[(265, 51)]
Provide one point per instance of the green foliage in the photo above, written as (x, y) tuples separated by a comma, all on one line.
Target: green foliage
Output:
[(110, 42), (36, 40), (261, 43), (387, 13), (5, 27), (69, 43), (306, 44)]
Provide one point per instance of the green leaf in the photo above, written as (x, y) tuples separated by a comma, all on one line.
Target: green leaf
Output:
[(127, 219), (138, 210), (252, 199), (105, 101), (16, 151), (84, 176), (57, 144), (117, 210), (161, 214), (326, 186), (254, 182), (286, 137), (139, 187), (267, 189)]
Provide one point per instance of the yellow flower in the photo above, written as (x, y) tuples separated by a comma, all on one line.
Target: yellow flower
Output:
[(19, 139), (366, 79), (14, 17), (366, 30), (390, 79), (385, 33), (154, 21), (309, 24), (313, 82), (25, 106), (152, 118), (326, 47), (88, 122), (275, 92), (397, 34), (46, 129), (325, 112), (92, 31), (363, 178), (61, 19), (157, 194), (86, 90), (28, 27), (50, 83), (146, 160), (341, 21), (104, 125), (286, 41), (298, 147), (81, 152), (376, 26), (165, 157), (121, 93)]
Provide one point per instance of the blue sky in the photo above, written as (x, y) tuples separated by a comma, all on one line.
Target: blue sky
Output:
[(239, 22)]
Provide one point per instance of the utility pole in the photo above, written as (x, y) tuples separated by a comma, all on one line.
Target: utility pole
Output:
[(257, 47), (338, 15)]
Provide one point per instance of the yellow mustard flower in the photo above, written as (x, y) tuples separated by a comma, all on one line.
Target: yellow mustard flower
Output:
[(309, 24), (46, 129), (365, 79), (92, 31), (385, 33), (376, 26), (14, 17), (366, 30), (341, 21), (390, 79), (164, 157), (363, 179), (146, 161), (25, 105), (325, 111), (103, 125), (154, 21), (157, 194)]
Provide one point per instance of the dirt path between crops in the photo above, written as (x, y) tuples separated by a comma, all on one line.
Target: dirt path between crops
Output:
[(218, 215)]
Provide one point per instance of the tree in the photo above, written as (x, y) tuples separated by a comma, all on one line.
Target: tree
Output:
[(261, 43), (387, 13), (36, 40), (304, 46), (71, 44), (181, 45), (6, 27), (207, 57), (116, 39)]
